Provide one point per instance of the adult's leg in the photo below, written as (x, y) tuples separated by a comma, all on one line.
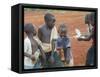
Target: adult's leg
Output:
[(90, 56)]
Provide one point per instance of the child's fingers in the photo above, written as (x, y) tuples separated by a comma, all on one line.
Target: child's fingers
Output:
[(74, 37)]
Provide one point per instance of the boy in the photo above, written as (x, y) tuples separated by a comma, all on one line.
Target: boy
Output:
[(64, 46), (32, 50), (47, 33)]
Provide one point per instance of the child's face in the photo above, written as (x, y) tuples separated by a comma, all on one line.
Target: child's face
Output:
[(51, 22), (63, 34), (32, 32)]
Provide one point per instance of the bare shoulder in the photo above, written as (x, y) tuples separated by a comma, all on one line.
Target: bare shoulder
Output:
[(41, 26)]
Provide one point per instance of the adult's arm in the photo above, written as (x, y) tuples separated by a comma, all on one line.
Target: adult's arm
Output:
[(86, 37)]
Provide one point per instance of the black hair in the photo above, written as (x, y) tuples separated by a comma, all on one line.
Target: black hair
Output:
[(48, 16), (28, 28), (62, 28)]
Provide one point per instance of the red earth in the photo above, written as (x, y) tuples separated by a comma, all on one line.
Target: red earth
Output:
[(73, 19)]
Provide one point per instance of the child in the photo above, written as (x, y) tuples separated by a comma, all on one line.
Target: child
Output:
[(64, 46), (46, 33), (32, 50)]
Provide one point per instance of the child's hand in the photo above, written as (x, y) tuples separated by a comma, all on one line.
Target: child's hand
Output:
[(75, 37), (32, 57)]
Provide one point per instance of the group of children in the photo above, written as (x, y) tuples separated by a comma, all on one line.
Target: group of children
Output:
[(47, 48)]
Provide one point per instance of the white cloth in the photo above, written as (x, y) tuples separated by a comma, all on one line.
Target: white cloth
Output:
[(54, 34), (47, 47), (27, 49)]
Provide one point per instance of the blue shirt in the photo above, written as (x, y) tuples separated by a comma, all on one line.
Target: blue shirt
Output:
[(63, 42)]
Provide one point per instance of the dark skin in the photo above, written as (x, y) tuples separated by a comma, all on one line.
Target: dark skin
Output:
[(50, 22), (87, 36), (91, 23), (35, 46), (63, 34), (29, 56)]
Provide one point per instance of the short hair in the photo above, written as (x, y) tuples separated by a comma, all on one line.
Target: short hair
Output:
[(62, 28), (48, 16), (29, 28)]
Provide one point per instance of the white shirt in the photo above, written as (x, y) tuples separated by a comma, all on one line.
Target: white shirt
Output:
[(27, 49)]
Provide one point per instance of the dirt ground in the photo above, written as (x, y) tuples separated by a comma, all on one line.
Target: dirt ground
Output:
[(73, 20)]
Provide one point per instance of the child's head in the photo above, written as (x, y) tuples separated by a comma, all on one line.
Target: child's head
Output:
[(90, 18), (62, 30), (29, 29), (49, 20)]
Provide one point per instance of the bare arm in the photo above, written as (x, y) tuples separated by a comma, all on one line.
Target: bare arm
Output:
[(27, 55), (86, 37), (39, 34), (42, 53)]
